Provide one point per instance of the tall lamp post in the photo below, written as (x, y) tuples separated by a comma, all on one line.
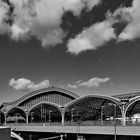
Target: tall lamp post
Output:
[(114, 105), (50, 116), (72, 115), (32, 116)]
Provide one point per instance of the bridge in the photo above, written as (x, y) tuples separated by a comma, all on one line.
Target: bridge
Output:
[(57, 110), (133, 130)]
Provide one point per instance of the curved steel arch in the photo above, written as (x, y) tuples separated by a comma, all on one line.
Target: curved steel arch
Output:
[(115, 100), (1, 111), (132, 101), (135, 98), (40, 91), (15, 108), (44, 102)]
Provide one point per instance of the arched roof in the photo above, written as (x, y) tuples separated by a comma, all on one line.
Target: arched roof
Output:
[(132, 101), (16, 107), (40, 91), (47, 103), (128, 96), (135, 98), (115, 100)]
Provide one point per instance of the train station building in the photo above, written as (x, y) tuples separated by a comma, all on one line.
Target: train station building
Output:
[(55, 105)]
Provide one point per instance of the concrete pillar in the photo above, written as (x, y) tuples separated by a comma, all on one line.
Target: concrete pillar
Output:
[(63, 117), (123, 119), (5, 114), (123, 115), (27, 121)]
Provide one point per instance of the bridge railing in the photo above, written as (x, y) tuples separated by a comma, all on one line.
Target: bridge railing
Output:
[(84, 123), (94, 123), (132, 123), (33, 124)]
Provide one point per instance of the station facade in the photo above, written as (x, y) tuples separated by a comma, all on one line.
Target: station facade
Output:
[(57, 105)]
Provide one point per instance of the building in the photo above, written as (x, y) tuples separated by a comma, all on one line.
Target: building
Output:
[(59, 106)]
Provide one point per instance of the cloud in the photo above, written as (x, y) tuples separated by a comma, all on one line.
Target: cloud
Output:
[(3, 14), (93, 82), (92, 3), (99, 33), (23, 84), (131, 15), (92, 38), (40, 18), (72, 86), (3, 10)]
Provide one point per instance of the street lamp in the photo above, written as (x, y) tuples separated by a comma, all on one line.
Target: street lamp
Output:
[(114, 105), (16, 117), (72, 114), (32, 116), (41, 109), (50, 116)]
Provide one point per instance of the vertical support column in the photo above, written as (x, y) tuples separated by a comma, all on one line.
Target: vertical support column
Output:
[(27, 121), (63, 116), (123, 114), (5, 114), (123, 119)]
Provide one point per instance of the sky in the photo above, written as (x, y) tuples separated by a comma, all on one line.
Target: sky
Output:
[(84, 46)]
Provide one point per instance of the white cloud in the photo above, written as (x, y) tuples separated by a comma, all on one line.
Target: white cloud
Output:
[(93, 82), (3, 13), (41, 18), (100, 33), (72, 86), (26, 84), (132, 16), (18, 33), (92, 38), (92, 3), (79, 44), (76, 6)]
